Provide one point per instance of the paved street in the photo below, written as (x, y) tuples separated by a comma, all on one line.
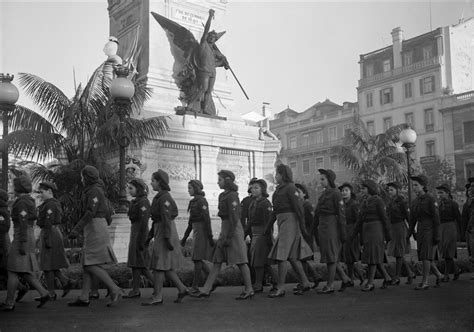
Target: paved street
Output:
[(450, 308)]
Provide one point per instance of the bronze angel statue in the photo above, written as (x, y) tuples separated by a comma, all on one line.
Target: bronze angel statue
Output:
[(195, 64)]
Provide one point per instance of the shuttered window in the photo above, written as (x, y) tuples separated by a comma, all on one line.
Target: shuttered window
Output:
[(469, 132)]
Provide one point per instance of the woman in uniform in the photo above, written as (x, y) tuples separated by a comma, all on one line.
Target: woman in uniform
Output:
[(289, 244), (22, 258), (329, 218), (166, 256), (449, 218), (52, 254), (139, 215), (259, 214), (200, 224), (308, 221), (424, 214), (230, 247), (97, 250), (373, 224), (397, 211), (350, 248)]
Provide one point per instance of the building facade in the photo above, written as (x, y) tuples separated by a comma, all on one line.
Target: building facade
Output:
[(406, 81), (307, 138), (458, 122)]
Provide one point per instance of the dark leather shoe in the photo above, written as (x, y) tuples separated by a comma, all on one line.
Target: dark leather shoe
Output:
[(78, 303), (21, 293), (43, 300), (277, 293), (114, 298), (457, 274), (152, 302), (181, 296), (202, 294), (326, 290), (302, 290), (67, 288), (94, 296), (245, 296), (422, 287), (368, 288), (53, 298), (132, 295)]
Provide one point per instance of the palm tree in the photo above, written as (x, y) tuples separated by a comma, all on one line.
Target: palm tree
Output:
[(376, 157), (82, 127)]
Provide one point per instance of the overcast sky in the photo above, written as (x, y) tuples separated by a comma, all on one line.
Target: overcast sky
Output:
[(285, 53)]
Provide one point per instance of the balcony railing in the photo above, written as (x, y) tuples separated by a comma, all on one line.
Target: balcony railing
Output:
[(400, 71), (312, 147)]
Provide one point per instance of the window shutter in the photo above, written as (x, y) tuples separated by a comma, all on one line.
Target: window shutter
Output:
[(421, 87)]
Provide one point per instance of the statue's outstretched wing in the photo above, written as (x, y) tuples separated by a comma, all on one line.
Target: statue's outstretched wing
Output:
[(182, 44), (181, 40)]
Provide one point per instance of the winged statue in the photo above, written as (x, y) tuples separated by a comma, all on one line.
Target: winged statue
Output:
[(194, 69)]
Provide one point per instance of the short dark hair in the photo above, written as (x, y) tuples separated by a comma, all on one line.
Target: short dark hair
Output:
[(285, 172)]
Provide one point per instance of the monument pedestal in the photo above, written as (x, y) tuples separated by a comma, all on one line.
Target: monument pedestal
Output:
[(119, 232)]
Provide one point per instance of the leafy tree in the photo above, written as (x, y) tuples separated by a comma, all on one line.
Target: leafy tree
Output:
[(440, 171)]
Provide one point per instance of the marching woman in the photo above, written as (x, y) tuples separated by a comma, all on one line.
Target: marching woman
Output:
[(5, 224), (52, 254), (329, 218), (350, 248), (230, 247), (166, 254), (424, 214), (397, 211), (139, 214), (22, 258), (449, 218), (97, 250), (467, 224), (200, 224), (373, 225), (259, 215), (309, 236), (289, 244)]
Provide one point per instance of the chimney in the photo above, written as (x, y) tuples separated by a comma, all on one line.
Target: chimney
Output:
[(397, 39), (267, 110)]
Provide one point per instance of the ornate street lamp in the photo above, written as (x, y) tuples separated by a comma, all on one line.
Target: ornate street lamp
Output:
[(8, 97), (122, 91), (408, 139)]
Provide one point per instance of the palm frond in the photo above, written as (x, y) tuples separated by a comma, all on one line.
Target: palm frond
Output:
[(24, 118), (347, 157), (34, 144), (46, 95), (142, 94)]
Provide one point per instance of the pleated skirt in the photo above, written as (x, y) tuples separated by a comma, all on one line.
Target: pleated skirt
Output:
[(351, 248), (373, 240), (329, 242), (23, 263), (397, 247), (97, 249), (236, 252), (5, 244), (138, 259), (448, 240), (289, 243), (53, 258), (424, 241), (202, 250), (161, 258), (259, 247)]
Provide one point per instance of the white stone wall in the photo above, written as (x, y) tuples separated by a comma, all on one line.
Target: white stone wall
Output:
[(462, 56)]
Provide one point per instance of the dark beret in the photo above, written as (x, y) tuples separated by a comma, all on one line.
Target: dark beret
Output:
[(48, 185), (262, 183), (227, 174), (371, 186), (444, 187), (395, 185), (196, 183), (22, 184), (329, 174), (346, 185), (421, 179), (161, 175)]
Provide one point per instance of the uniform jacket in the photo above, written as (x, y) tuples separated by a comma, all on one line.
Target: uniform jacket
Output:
[(163, 209), (93, 205), (424, 207), (330, 203), (373, 209), (352, 211), (397, 210), (23, 214), (198, 209), (229, 209), (139, 212)]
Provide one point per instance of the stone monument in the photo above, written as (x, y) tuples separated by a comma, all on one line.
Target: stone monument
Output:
[(196, 146)]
